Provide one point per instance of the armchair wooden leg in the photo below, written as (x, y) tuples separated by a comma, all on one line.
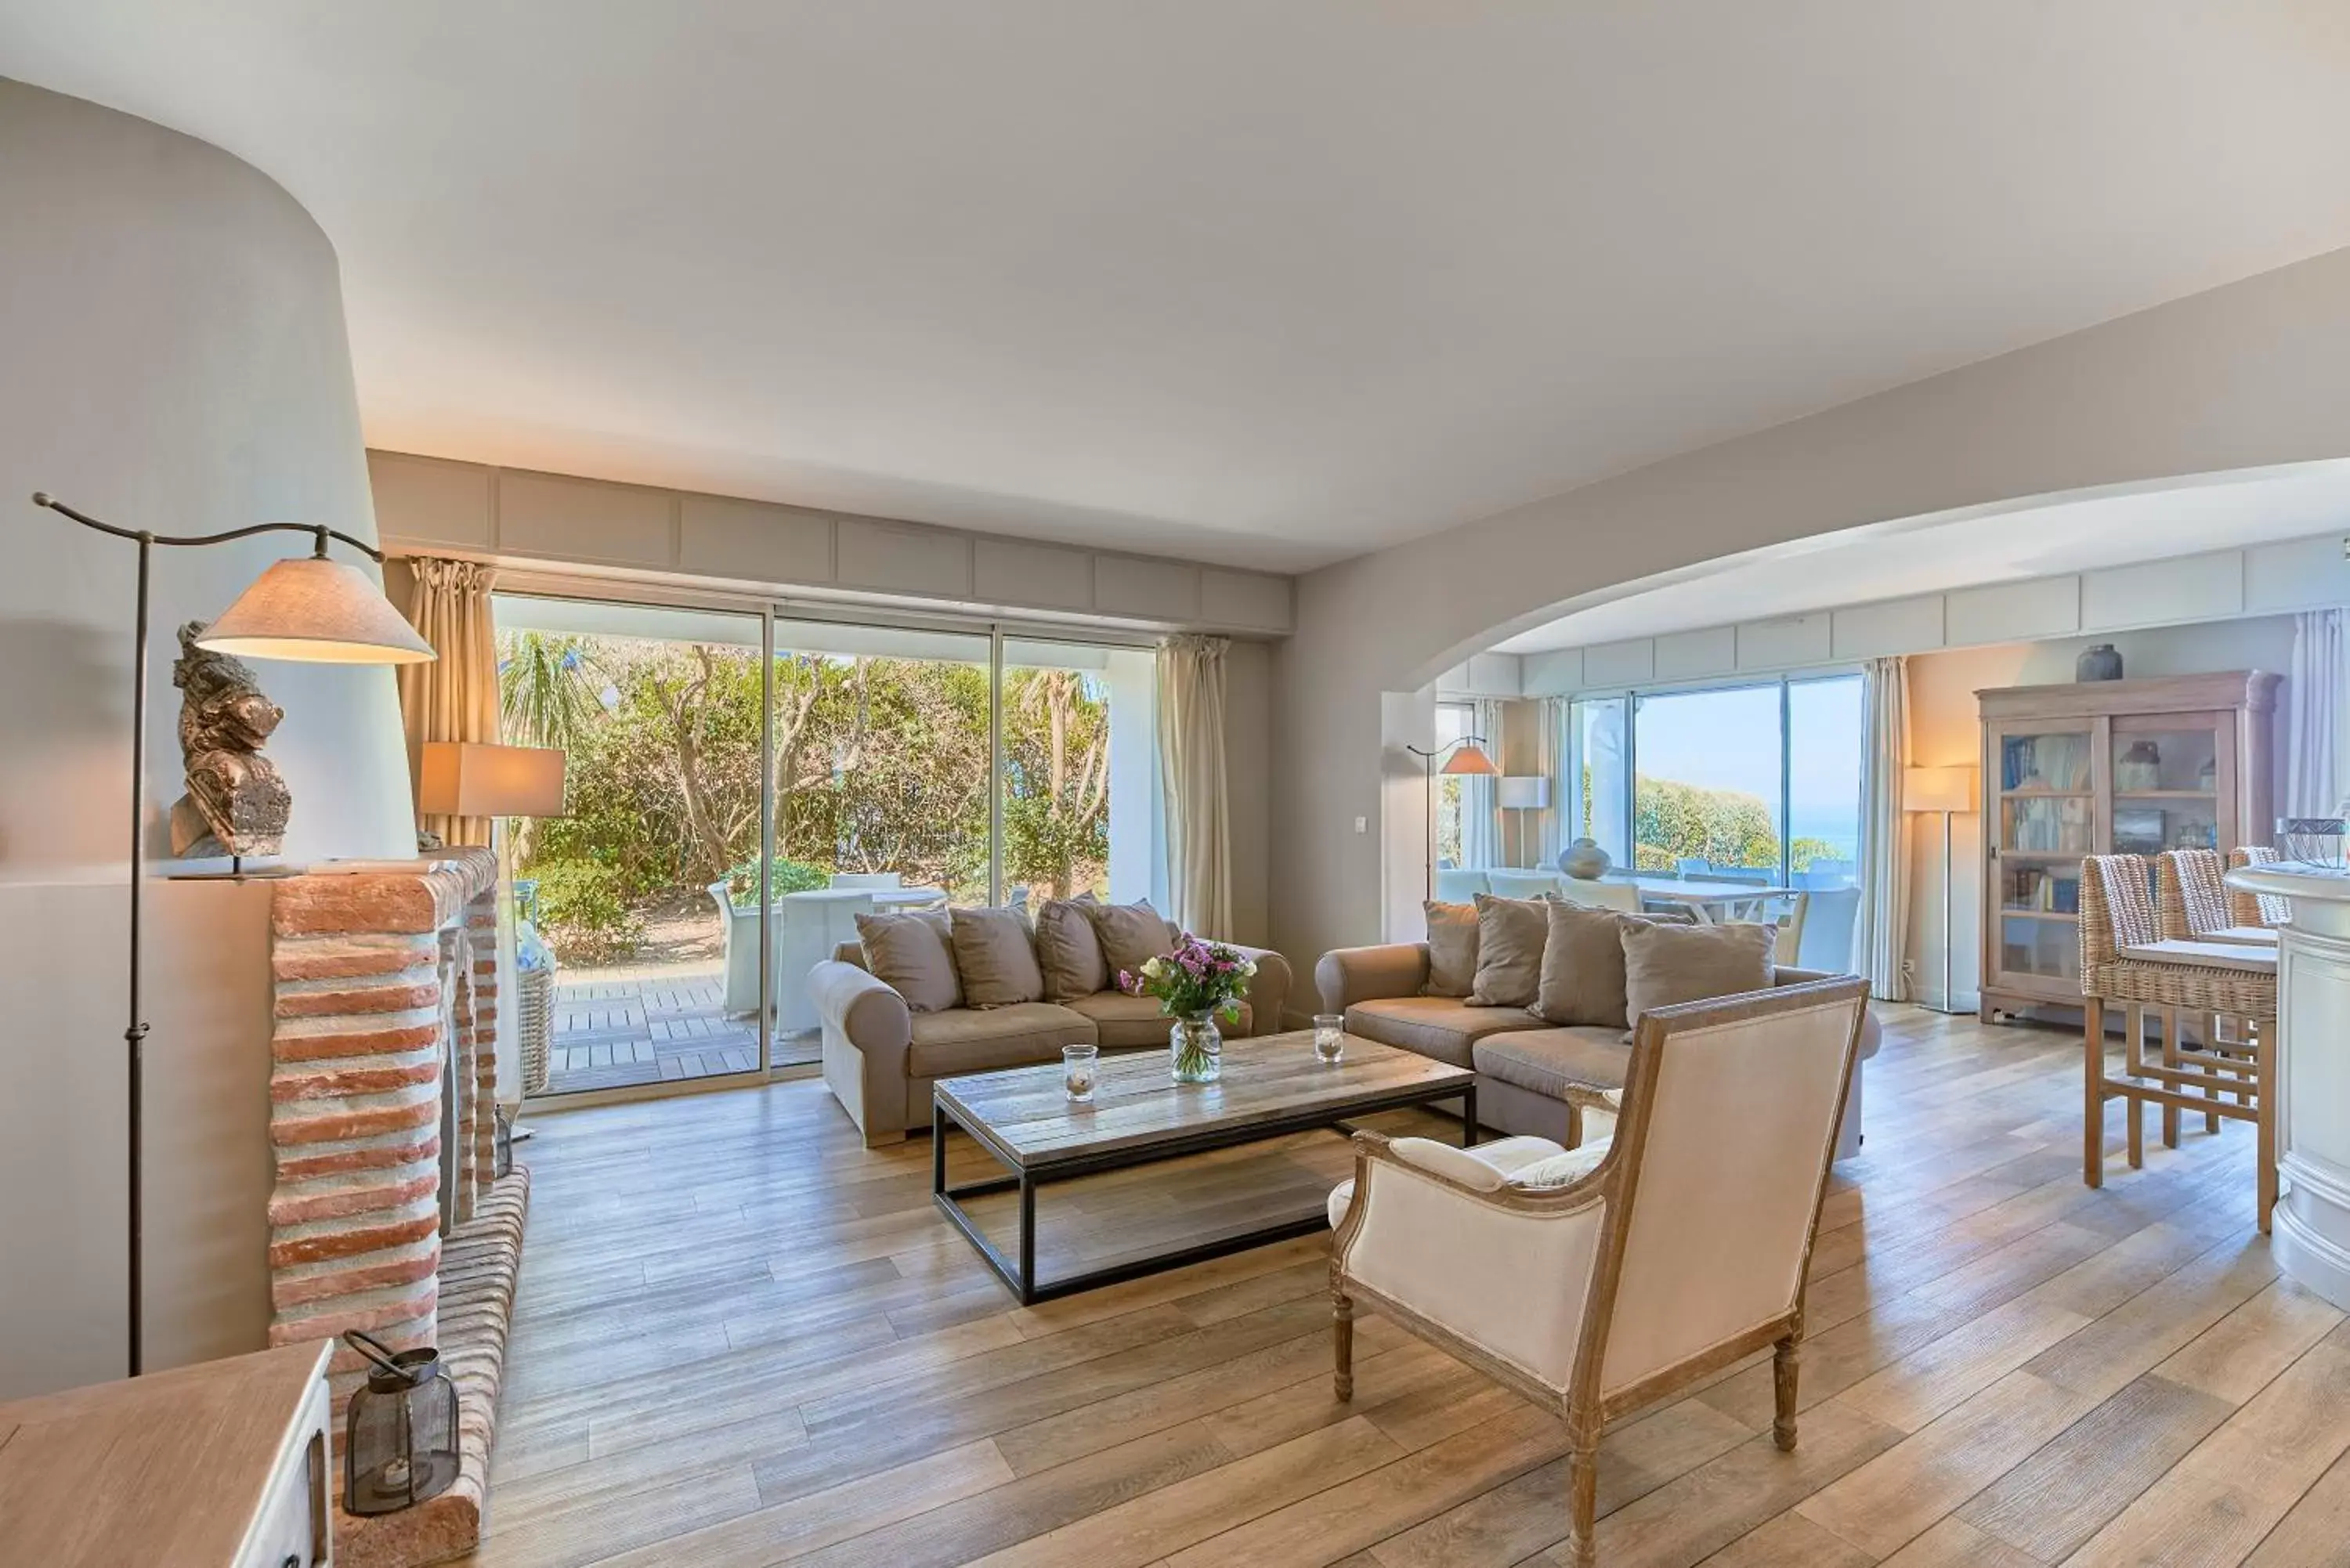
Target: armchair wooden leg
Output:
[(1342, 1345), (1786, 1363), (1582, 1495)]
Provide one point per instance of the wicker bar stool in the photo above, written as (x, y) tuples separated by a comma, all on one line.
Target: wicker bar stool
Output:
[(2118, 912), (2190, 899), (2189, 896), (2255, 909)]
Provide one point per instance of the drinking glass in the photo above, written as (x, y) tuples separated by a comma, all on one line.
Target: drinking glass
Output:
[(1329, 1038), (1078, 1067)]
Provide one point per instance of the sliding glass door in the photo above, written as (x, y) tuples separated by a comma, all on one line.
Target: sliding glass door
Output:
[(869, 767), (1708, 798), (1759, 781), (637, 958), (882, 757)]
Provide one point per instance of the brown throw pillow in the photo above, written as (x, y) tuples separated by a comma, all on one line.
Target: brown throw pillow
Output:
[(1664, 964), (996, 958), (1451, 950), (1132, 935), (1067, 949), (1509, 937), (913, 955), (1582, 968)]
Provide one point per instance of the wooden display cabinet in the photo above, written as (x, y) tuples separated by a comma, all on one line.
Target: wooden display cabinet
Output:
[(2099, 768)]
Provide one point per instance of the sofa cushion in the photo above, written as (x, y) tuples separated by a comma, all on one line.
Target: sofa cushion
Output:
[(1452, 949), (1665, 963), (1509, 937), (1127, 1023), (1582, 968), (1068, 951), (965, 1040), (1547, 1061), (1438, 1026), (913, 955), (996, 958), (1131, 936)]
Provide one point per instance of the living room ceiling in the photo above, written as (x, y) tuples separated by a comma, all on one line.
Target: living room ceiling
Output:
[(1971, 548), (1263, 285)]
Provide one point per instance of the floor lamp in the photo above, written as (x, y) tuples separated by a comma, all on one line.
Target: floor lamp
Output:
[(474, 778), (1519, 794), (1467, 758), (1948, 790), (309, 608)]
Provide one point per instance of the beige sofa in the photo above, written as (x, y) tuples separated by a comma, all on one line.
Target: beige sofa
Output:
[(880, 1058), (1533, 1077)]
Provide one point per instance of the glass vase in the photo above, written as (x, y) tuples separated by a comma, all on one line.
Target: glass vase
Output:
[(1195, 1047)]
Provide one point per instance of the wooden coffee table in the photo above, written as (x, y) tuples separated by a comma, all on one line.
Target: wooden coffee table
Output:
[(1271, 1087)]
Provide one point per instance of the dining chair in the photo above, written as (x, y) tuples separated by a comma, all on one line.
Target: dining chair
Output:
[(1599, 1280), (875, 879), (1620, 896), (1786, 913), (2117, 913)]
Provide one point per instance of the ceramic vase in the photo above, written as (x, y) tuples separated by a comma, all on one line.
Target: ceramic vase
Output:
[(1584, 860)]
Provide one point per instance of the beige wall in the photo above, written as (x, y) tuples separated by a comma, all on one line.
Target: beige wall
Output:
[(1945, 730), (2251, 374), (176, 360)]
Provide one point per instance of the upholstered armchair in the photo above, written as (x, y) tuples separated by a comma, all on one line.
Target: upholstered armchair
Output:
[(1597, 1280)]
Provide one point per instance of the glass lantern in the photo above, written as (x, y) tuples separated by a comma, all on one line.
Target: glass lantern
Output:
[(2315, 842), (400, 1437)]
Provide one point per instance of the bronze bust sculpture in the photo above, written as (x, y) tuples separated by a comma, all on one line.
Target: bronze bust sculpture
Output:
[(237, 803)]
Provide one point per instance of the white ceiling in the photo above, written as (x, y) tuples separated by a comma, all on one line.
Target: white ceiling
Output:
[(1962, 549), (1261, 282)]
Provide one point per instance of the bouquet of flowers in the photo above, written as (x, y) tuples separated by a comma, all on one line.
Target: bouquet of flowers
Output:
[(1197, 979)]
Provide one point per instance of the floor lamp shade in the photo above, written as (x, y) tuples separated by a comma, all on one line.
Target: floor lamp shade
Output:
[(1524, 792), (320, 611), (1469, 759), (1937, 789), (471, 778)]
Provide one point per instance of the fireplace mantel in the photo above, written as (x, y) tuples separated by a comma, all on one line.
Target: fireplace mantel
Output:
[(383, 1084), (386, 983)]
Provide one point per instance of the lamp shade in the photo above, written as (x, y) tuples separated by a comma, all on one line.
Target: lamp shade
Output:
[(1524, 792), (470, 778), (1468, 759), (1937, 789), (317, 611)]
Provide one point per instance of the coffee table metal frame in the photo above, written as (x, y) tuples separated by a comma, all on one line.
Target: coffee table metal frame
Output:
[(1019, 1274)]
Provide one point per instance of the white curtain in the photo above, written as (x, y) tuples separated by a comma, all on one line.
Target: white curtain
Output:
[(1880, 939), (1550, 752), (2315, 692), (1481, 811), (1192, 765)]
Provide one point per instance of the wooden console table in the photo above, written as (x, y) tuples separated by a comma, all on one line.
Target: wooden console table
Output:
[(222, 1463)]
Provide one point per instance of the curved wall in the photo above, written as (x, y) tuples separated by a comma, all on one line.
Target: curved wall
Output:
[(2246, 376), (175, 360)]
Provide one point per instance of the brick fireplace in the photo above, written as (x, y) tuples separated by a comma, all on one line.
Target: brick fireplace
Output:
[(383, 1085)]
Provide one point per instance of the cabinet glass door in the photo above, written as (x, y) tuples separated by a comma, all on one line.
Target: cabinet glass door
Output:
[(2045, 814), (2168, 772)]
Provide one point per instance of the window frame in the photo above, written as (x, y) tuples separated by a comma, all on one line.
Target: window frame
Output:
[(1631, 695)]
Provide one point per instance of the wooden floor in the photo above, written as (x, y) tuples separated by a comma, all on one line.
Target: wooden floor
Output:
[(744, 1339)]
